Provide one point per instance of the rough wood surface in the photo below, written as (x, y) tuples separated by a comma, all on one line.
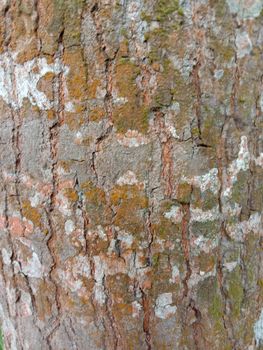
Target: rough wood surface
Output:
[(131, 152)]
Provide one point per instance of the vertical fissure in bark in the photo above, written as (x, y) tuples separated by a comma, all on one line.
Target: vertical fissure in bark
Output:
[(197, 85), (167, 157), (117, 341), (13, 251), (54, 135), (109, 64), (119, 256), (195, 72), (236, 80), (146, 319), (221, 160), (87, 252), (186, 247), (198, 334)]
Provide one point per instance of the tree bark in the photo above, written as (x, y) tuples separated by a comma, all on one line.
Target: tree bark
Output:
[(131, 152)]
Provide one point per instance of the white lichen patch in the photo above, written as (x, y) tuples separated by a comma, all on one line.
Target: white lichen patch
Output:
[(218, 74), (6, 256), (205, 244), (243, 44), (230, 266), (163, 306), (261, 101), (69, 282), (132, 138), (116, 99), (169, 121), (19, 81), (208, 181), (129, 178), (136, 308), (74, 271), (63, 204), (175, 274), (8, 329), (175, 214), (172, 130), (80, 267), (231, 209), (197, 277), (240, 230), (25, 306), (101, 233), (175, 106), (259, 159), (69, 226), (112, 246), (69, 107), (99, 290), (258, 330), (125, 238), (35, 199), (241, 163), (199, 215), (33, 267), (245, 8), (184, 65), (136, 25)]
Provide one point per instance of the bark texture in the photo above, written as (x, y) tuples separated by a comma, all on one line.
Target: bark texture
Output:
[(131, 152)]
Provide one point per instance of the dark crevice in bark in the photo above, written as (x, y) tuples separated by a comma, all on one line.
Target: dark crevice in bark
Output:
[(54, 134), (150, 235), (198, 103), (186, 247), (146, 301), (88, 253), (221, 160), (13, 256), (34, 309), (109, 64), (198, 333), (167, 153), (36, 29), (16, 145), (197, 327), (116, 335), (236, 80), (14, 279), (71, 333), (146, 319), (195, 74), (98, 143)]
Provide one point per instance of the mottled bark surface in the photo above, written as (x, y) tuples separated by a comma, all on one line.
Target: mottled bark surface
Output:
[(131, 152)]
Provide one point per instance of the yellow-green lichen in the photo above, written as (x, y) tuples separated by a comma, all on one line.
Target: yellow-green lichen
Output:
[(31, 213), (209, 229), (71, 194), (72, 10), (165, 8), (216, 308), (96, 204), (126, 200), (235, 291), (183, 192), (133, 113)]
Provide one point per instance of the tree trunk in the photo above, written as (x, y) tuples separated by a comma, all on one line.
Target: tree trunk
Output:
[(131, 151)]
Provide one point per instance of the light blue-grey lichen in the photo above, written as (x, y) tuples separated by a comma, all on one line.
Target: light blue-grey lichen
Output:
[(258, 330), (245, 9)]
